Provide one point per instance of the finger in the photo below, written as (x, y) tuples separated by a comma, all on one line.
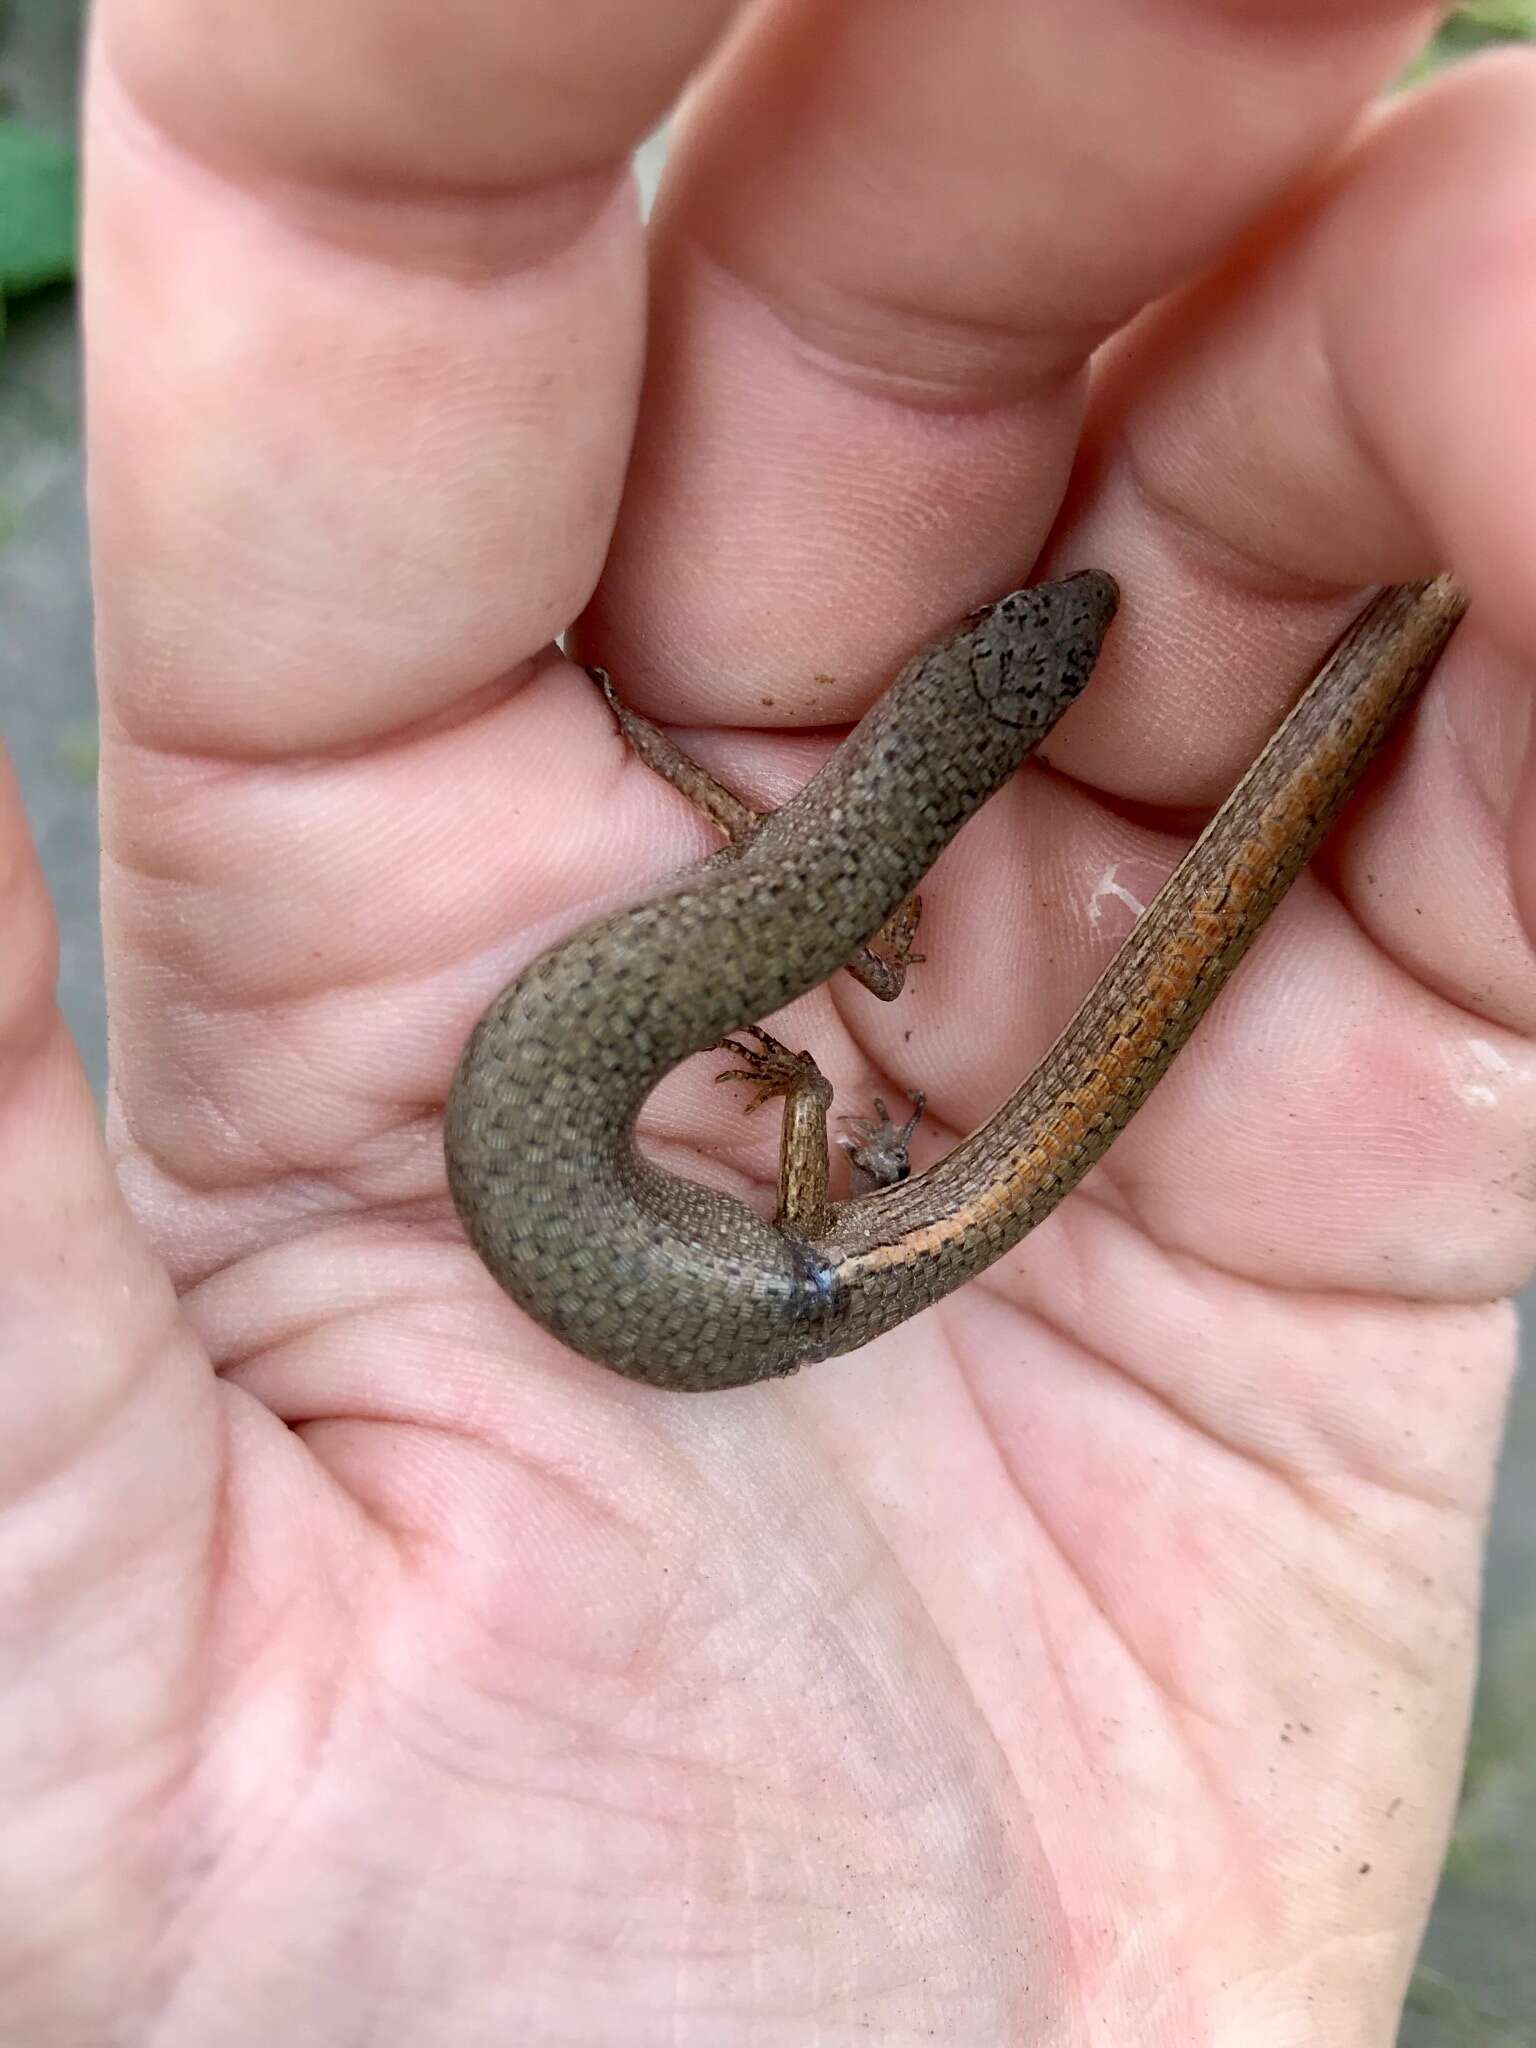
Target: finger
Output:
[(357, 439), (1322, 413), (110, 1452), (365, 338), (1389, 1090), (1255, 476), (887, 247), (404, 99)]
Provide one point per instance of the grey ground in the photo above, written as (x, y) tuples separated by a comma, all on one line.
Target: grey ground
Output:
[(1477, 1983)]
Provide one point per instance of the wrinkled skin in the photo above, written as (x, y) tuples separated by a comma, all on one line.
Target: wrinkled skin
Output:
[(1089, 1660)]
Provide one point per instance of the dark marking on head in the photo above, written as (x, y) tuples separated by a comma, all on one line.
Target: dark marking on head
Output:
[(1038, 645)]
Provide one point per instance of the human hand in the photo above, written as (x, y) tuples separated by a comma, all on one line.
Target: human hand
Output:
[(1090, 1658)]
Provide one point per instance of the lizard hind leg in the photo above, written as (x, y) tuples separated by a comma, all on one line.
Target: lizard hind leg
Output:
[(879, 1148), (805, 1208)]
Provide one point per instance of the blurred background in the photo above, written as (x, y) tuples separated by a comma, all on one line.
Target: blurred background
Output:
[(1477, 1978)]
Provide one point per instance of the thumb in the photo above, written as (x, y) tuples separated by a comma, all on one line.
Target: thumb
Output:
[(109, 1455)]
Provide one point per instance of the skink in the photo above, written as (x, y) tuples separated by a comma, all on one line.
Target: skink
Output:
[(674, 1284)]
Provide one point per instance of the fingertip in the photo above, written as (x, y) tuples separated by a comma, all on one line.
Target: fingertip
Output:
[(1437, 341), (452, 95)]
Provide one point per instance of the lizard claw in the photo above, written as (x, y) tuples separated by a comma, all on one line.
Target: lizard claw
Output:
[(772, 1069)]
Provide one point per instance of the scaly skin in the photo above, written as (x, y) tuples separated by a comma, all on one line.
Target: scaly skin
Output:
[(674, 1284)]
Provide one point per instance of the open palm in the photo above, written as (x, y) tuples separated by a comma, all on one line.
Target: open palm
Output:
[(1089, 1659)]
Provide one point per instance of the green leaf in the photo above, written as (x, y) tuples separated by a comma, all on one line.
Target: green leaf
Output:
[(37, 209), (1482, 22), (1507, 18)]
